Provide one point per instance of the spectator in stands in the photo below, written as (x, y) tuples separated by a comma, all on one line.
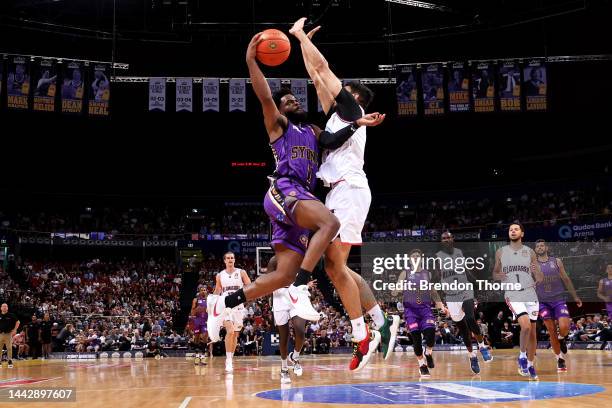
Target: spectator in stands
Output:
[(323, 343), (506, 335), (33, 337)]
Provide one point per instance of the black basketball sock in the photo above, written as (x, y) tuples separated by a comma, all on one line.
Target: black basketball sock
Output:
[(235, 299), (303, 277)]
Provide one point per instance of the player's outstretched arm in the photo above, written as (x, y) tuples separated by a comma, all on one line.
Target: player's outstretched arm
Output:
[(274, 121), (334, 140)]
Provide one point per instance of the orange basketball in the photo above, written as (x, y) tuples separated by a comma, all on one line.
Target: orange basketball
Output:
[(274, 48)]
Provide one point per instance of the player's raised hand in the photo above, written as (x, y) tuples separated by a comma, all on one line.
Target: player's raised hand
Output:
[(578, 302), (252, 47), (312, 284), (371, 119)]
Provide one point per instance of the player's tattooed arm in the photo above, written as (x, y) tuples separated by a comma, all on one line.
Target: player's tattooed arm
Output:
[(498, 275)]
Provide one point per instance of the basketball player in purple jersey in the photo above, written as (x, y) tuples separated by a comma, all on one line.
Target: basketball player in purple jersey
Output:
[(293, 209), (551, 295), (198, 311), (604, 290), (419, 317)]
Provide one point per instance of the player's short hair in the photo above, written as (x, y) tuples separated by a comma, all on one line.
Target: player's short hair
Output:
[(227, 253), (540, 240), (519, 225), (365, 94), (278, 95), (416, 251)]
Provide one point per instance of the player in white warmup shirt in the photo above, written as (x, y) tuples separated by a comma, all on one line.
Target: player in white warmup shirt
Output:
[(228, 281)]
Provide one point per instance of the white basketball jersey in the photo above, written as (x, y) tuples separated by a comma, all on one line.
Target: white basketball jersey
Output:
[(231, 282), (450, 273), (346, 162), (516, 265)]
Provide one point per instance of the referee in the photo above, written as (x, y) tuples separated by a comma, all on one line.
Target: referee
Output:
[(8, 326)]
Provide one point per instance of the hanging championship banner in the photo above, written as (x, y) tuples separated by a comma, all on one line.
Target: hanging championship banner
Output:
[(406, 91), (45, 79), (458, 88), (299, 88), (535, 85), (509, 86), (433, 89), (274, 84), (210, 94), (483, 88), (157, 94), (237, 95), (18, 83), (1, 72), (99, 90), (184, 94), (72, 88)]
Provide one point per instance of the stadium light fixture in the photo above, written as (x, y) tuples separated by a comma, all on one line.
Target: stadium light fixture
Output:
[(420, 4)]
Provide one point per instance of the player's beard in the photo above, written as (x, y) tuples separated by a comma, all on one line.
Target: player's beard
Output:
[(297, 117)]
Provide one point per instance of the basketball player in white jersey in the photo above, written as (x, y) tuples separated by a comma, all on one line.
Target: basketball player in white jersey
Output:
[(283, 313), (349, 198), (228, 281), (517, 263)]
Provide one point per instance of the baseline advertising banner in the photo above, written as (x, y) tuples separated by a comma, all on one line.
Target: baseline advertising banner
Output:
[(459, 88), (237, 95), (18, 83), (483, 87), (433, 89), (72, 88), (99, 90), (45, 80), (157, 94), (210, 94), (509, 81), (184, 94), (299, 87), (535, 86), (406, 91)]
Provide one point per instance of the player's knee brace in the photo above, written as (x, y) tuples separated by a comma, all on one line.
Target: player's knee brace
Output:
[(430, 336), (417, 341), (347, 107)]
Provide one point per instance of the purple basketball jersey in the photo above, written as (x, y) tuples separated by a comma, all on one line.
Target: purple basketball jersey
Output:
[(552, 288), (201, 303), (417, 297), (296, 154)]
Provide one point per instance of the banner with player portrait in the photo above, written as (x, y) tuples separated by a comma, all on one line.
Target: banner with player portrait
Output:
[(459, 87), (18, 82), (210, 92), (73, 87), (509, 81), (237, 95), (157, 94), (99, 90), (1, 72), (406, 91), (432, 85), (535, 86), (184, 94), (299, 87), (483, 87), (274, 84), (44, 77)]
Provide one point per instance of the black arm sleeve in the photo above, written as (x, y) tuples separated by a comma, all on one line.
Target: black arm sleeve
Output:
[(334, 140)]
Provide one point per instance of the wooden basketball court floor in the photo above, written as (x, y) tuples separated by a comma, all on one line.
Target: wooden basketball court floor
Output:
[(177, 383)]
